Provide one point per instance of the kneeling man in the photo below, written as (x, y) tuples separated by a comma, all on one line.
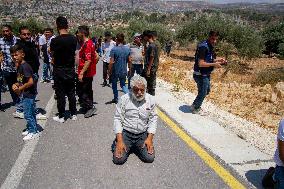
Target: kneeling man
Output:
[(135, 124)]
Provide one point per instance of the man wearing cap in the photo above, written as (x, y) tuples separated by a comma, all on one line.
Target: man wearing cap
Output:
[(107, 46), (136, 56)]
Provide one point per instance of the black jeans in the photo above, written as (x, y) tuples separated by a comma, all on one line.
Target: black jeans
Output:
[(134, 144), (151, 81), (85, 93), (11, 78), (65, 87), (105, 68)]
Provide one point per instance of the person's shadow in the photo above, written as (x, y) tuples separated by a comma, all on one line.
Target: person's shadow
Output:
[(185, 109)]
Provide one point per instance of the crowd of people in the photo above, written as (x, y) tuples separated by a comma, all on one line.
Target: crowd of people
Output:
[(69, 64)]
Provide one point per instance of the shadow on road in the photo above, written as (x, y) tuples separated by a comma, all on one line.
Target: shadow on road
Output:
[(255, 177), (185, 109)]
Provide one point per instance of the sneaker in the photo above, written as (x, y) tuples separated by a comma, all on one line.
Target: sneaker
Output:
[(74, 118), (41, 117), (194, 110), (25, 132), (19, 115), (104, 83), (52, 81), (57, 119), (90, 112), (30, 136)]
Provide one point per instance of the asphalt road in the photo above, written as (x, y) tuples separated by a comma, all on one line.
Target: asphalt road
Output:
[(77, 154)]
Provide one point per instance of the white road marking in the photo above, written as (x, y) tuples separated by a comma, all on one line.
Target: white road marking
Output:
[(14, 178)]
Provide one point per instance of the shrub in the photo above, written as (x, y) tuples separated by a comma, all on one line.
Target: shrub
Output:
[(270, 76)]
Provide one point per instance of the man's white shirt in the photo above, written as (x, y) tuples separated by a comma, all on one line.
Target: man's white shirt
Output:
[(135, 117)]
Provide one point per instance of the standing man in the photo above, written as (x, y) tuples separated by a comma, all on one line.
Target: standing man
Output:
[(86, 72), (151, 62), (107, 46), (31, 58), (120, 57), (43, 42), (136, 55), (205, 62), (62, 50), (1, 80), (135, 124), (8, 66)]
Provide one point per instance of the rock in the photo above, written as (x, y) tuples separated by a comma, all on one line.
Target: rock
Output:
[(279, 90), (273, 98)]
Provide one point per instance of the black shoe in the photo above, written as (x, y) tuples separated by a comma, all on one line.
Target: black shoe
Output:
[(2, 108), (90, 112), (104, 83), (113, 101)]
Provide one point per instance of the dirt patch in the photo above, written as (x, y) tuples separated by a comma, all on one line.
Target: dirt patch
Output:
[(234, 92)]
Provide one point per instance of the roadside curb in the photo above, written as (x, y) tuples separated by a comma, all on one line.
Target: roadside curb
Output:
[(246, 160)]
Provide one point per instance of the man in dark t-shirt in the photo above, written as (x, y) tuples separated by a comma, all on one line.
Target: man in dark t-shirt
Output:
[(63, 49), (205, 63), (151, 62)]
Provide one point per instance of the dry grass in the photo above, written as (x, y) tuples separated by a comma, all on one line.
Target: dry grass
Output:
[(239, 91)]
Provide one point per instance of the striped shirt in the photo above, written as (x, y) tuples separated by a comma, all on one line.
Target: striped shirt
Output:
[(5, 45)]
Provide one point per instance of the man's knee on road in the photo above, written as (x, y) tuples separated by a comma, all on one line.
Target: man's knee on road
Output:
[(119, 161)]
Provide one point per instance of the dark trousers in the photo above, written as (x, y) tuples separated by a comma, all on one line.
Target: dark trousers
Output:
[(85, 93), (105, 68), (203, 86), (1, 83), (151, 82), (134, 144), (65, 87), (11, 78)]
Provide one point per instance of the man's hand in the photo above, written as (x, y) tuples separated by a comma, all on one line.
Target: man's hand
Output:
[(120, 149), (217, 65), (16, 89), (149, 144), (148, 72), (80, 77)]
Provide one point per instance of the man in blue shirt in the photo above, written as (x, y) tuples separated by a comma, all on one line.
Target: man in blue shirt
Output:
[(205, 62), (120, 57)]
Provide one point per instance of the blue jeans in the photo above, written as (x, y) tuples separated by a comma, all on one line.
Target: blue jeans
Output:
[(203, 86), (19, 105), (279, 177), (47, 67), (29, 114), (122, 80), (136, 68)]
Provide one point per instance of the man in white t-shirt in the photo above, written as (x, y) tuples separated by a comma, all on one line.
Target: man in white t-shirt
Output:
[(107, 46), (43, 42), (279, 157)]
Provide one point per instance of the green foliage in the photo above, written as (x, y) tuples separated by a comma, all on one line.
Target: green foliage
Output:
[(270, 76), (34, 25), (244, 38), (273, 36), (281, 50)]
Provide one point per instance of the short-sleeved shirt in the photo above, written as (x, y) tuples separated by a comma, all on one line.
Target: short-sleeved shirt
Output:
[(280, 136), (42, 40), (136, 54), (48, 46), (63, 48), (107, 47), (5, 45), (152, 51), (25, 72), (121, 55), (88, 53)]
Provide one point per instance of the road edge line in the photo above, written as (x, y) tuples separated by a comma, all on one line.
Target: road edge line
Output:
[(14, 177), (224, 174)]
